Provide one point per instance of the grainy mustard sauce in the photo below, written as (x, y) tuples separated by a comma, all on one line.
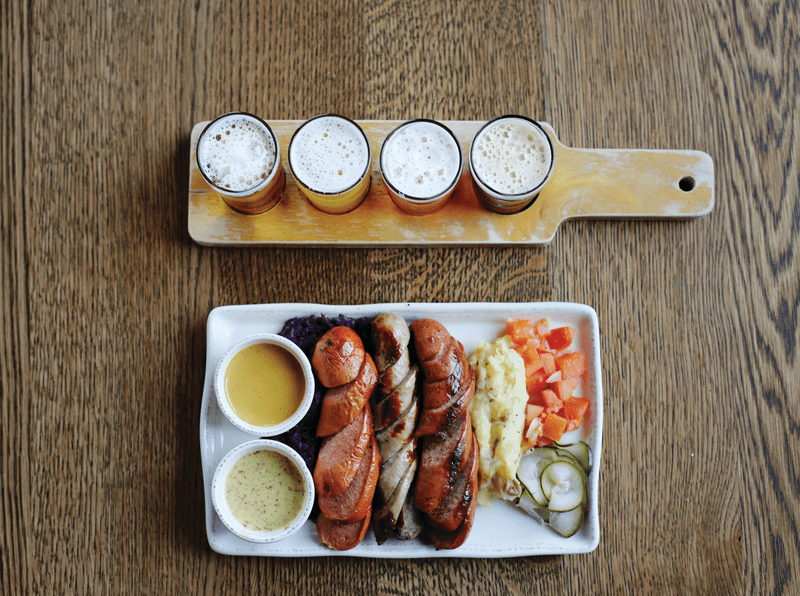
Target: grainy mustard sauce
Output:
[(265, 491)]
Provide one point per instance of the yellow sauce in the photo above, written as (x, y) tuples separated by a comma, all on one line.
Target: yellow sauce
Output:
[(264, 384), (265, 491)]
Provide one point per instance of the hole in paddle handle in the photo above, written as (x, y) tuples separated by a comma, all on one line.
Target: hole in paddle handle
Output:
[(686, 184)]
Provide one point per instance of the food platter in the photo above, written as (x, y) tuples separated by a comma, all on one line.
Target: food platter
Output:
[(586, 183), (501, 530)]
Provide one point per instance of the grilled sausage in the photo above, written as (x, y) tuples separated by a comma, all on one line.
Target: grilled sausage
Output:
[(393, 469), (430, 338), (342, 535), (433, 419), (442, 365), (392, 438), (395, 408), (446, 485), (385, 520), (444, 456), (391, 407), (390, 336), (338, 356), (449, 540), (411, 522), (353, 504), (453, 509), (341, 405), (438, 393), (340, 456)]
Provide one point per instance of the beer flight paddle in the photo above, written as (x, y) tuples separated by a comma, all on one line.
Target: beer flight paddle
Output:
[(584, 183)]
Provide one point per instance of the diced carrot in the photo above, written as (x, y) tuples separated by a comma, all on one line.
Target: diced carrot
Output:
[(532, 411), (575, 407), (542, 327), (520, 330), (536, 382), (560, 338), (565, 388), (530, 369), (551, 401), (574, 423), (572, 365), (549, 362), (553, 426), (536, 399), (530, 356)]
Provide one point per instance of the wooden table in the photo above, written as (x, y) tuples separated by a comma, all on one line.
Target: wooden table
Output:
[(105, 296)]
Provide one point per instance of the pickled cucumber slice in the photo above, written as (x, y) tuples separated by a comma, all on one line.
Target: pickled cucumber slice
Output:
[(530, 506), (555, 485), (530, 470), (581, 452), (564, 485), (566, 523), (569, 456)]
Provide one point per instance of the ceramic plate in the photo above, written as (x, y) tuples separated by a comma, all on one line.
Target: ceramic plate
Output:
[(501, 530)]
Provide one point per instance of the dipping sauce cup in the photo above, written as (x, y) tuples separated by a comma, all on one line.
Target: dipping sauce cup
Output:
[(511, 159), (331, 160), (239, 157), (264, 384), (421, 163), (262, 491)]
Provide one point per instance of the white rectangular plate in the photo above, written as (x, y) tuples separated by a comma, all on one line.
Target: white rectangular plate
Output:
[(501, 530)]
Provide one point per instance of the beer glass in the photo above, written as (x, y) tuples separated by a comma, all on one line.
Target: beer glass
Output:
[(511, 159), (239, 157), (331, 160), (421, 163)]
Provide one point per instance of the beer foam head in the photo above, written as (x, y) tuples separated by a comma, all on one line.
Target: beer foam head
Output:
[(511, 156), (236, 152), (329, 154), (421, 160)]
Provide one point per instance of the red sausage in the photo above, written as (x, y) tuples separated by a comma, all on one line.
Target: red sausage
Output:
[(338, 356), (442, 365), (341, 405), (444, 455), (340, 456), (433, 420), (454, 539), (438, 393), (342, 535), (430, 338), (452, 511), (353, 504)]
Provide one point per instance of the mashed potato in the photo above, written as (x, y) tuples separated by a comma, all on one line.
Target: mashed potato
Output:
[(498, 417)]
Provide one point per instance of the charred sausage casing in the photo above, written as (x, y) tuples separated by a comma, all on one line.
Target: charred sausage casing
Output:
[(395, 409), (346, 471), (447, 481)]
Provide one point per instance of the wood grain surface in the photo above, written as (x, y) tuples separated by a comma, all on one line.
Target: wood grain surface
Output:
[(105, 296)]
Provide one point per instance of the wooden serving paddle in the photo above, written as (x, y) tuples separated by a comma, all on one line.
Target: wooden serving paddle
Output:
[(586, 183)]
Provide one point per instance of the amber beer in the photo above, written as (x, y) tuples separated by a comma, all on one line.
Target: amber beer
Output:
[(511, 160), (421, 164), (239, 157), (331, 160)]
